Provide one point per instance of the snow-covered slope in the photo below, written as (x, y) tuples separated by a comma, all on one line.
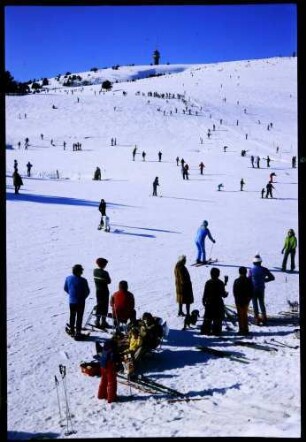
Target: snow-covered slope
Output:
[(52, 225)]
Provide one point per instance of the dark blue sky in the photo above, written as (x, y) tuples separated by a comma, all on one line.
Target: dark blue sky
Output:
[(43, 41)]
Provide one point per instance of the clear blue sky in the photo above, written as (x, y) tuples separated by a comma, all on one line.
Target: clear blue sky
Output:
[(43, 41)]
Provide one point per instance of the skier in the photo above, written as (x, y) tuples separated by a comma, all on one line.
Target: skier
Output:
[(177, 161), (182, 163), (185, 172), (77, 288), (225, 148), (202, 232), (220, 186), (201, 166), (109, 363), (102, 279), (269, 188), (159, 156), (293, 162), (134, 152), (155, 184), (242, 183), (214, 292), (259, 276), (143, 156), (252, 160), (183, 285), (263, 190), (17, 181), (29, 167), (97, 174), (258, 162), (123, 304), (268, 161), (243, 291), (289, 249), (102, 210)]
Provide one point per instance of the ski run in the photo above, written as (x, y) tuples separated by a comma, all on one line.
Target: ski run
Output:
[(229, 385)]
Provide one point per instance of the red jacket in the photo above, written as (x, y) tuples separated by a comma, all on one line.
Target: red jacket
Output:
[(122, 303)]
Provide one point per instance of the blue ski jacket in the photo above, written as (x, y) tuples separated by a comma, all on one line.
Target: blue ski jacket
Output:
[(77, 289), (201, 235), (260, 275)]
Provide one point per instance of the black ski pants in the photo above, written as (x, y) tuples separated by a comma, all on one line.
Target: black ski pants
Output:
[(76, 317), (292, 256)]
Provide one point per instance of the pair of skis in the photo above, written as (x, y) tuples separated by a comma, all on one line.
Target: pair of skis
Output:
[(223, 354), (206, 263), (77, 337), (66, 414)]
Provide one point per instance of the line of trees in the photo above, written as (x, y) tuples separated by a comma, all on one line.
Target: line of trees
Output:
[(11, 86)]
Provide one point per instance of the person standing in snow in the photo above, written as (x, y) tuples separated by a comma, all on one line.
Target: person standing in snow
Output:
[(269, 188), (289, 248), (159, 156), (102, 210), (17, 181), (202, 232), (143, 156), (268, 161), (155, 184), (97, 174), (78, 290), (183, 285), (263, 190), (258, 162), (293, 162), (242, 183), (134, 152), (260, 276), (201, 166), (177, 161), (214, 292), (109, 364), (243, 292), (102, 280), (29, 167), (252, 160)]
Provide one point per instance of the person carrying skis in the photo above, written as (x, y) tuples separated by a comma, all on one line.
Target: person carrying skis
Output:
[(109, 364), (214, 292), (17, 180), (123, 304), (183, 285), (102, 210), (155, 184), (243, 292), (202, 232), (78, 290), (102, 280), (260, 276), (289, 248)]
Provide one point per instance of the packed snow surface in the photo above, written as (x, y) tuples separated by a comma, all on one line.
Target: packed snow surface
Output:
[(52, 225)]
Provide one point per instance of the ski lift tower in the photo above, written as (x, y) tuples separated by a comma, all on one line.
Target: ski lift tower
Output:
[(156, 57)]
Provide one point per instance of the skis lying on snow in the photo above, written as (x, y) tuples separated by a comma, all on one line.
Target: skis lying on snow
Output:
[(223, 354), (255, 345), (206, 263), (148, 385), (281, 344)]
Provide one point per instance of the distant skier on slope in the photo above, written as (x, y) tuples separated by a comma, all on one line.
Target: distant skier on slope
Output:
[(155, 184), (201, 234)]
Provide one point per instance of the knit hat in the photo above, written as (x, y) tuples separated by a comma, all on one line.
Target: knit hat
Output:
[(257, 258), (101, 262), (181, 258)]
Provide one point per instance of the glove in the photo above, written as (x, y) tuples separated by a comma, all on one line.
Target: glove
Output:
[(282, 251), (214, 241)]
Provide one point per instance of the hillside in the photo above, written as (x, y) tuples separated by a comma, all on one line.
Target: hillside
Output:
[(52, 225)]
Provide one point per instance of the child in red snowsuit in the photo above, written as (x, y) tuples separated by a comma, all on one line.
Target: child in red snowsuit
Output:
[(109, 364)]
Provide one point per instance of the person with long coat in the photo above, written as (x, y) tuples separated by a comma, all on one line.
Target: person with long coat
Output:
[(289, 249), (17, 181), (102, 210), (214, 292), (184, 292)]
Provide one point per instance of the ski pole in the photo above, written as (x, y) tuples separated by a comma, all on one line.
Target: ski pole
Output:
[(212, 245), (62, 369), (58, 399)]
